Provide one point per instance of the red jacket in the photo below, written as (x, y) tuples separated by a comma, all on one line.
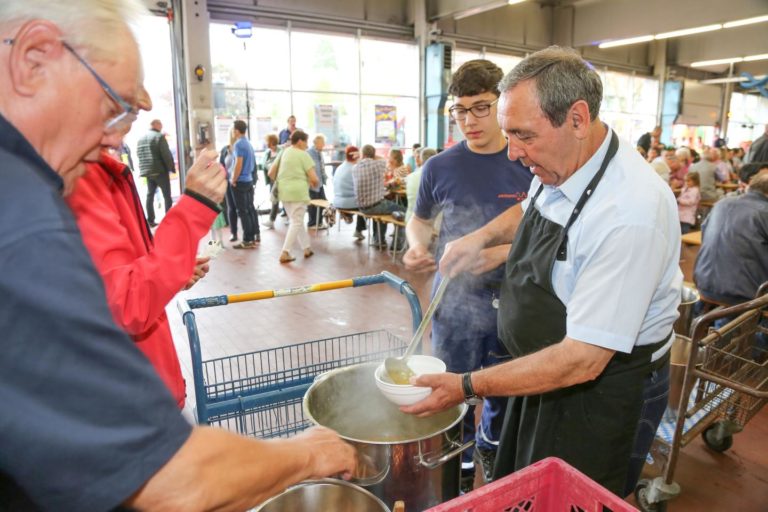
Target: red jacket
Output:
[(141, 275)]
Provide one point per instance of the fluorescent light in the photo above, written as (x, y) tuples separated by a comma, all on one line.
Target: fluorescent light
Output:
[(747, 21), (689, 31), (716, 62), (622, 42), (733, 79), (513, 2), (750, 58)]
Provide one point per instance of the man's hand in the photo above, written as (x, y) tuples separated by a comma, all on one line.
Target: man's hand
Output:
[(419, 259), (201, 268), (328, 454), (446, 392), (462, 254), (490, 259), (206, 177)]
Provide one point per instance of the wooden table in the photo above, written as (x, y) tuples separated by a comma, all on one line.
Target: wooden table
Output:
[(727, 186), (692, 238)]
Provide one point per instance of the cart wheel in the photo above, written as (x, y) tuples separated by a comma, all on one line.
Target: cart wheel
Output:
[(641, 497), (714, 442)]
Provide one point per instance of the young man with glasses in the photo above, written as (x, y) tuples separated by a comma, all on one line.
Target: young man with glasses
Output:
[(470, 184)]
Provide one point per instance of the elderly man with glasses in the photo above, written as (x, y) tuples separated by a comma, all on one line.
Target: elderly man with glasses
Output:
[(89, 425)]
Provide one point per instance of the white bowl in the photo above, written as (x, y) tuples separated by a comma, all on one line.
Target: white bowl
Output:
[(406, 394)]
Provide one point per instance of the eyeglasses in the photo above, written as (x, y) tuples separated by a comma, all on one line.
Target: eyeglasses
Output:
[(121, 121), (480, 110)]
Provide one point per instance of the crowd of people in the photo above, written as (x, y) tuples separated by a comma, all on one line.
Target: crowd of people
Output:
[(699, 178), (541, 215)]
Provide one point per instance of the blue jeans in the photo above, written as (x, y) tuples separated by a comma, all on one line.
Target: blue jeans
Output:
[(380, 228), (655, 395), (243, 192)]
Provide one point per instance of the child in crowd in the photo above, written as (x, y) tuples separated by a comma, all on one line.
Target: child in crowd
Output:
[(688, 202)]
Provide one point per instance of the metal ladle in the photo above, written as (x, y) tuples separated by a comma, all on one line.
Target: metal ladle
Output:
[(397, 368)]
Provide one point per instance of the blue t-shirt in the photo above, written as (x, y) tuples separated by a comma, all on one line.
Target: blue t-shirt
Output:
[(471, 189), (243, 149), (86, 420)]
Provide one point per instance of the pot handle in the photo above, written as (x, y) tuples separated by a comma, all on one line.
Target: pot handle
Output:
[(432, 463)]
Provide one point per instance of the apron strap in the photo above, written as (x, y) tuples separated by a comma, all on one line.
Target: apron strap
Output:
[(562, 250)]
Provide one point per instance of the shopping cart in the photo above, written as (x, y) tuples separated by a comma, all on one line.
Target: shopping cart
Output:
[(725, 385), (259, 393)]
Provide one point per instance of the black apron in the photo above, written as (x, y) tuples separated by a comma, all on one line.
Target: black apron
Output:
[(591, 425)]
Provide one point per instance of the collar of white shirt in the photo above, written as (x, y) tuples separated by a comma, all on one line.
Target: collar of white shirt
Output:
[(577, 183)]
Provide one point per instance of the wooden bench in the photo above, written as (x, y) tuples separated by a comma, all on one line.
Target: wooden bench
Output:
[(389, 219), (692, 238), (319, 203)]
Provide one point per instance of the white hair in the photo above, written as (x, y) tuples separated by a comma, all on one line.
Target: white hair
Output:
[(87, 24)]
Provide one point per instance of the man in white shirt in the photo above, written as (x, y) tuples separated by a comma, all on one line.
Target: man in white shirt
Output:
[(591, 286)]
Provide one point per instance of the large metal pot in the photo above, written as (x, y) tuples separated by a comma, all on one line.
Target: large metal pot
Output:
[(402, 457), (689, 297), (322, 496)]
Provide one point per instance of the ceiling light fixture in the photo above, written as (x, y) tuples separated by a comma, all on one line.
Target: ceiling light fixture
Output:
[(688, 31), (683, 32), (466, 13), (750, 58), (629, 40), (717, 62), (747, 21)]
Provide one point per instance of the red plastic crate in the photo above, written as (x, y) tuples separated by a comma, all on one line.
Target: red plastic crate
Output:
[(550, 485)]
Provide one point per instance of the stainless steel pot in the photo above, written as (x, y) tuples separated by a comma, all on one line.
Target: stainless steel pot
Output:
[(402, 457), (689, 297), (322, 496)]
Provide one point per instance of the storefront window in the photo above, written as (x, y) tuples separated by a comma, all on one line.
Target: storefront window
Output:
[(331, 83), (746, 119)]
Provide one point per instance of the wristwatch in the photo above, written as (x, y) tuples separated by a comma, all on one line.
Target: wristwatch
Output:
[(470, 396)]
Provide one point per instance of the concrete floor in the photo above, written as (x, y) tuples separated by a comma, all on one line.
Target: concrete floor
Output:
[(736, 480)]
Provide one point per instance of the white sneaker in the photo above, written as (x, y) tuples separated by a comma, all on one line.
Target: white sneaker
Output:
[(321, 226), (359, 235), (269, 224)]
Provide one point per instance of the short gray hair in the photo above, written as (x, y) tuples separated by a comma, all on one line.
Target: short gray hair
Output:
[(561, 78), (87, 24), (426, 154)]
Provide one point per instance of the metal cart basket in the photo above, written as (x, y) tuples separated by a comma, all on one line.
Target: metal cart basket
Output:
[(725, 385), (259, 393)]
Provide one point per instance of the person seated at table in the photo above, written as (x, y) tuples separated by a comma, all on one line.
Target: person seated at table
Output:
[(344, 188), (394, 178), (368, 179), (688, 202), (724, 170), (413, 180), (706, 167), (411, 162), (677, 178), (733, 261), (746, 173)]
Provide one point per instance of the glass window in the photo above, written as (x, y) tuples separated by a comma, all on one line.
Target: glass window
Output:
[(239, 61), (323, 62), (406, 126), (746, 118), (462, 56), (505, 62), (389, 67), (334, 115), (321, 85)]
